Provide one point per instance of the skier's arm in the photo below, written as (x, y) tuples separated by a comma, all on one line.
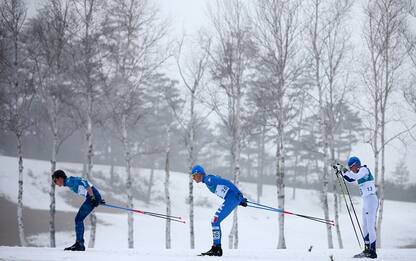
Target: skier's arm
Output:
[(350, 176), (347, 177)]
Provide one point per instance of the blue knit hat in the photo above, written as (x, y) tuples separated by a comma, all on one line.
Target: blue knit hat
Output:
[(197, 169), (354, 161)]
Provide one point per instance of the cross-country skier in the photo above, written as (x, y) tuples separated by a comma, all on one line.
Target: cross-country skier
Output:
[(92, 200), (232, 198), (365, 180)]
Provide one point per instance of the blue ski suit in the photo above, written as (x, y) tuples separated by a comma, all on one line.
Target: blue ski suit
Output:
[(80, 186), (232, 198)]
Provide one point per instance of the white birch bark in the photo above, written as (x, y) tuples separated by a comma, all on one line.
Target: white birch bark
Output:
[(20, 225), (191, 163), (127, 158), (167, 193), (90, 155), (52, 205), (18, 102), (280, 185)]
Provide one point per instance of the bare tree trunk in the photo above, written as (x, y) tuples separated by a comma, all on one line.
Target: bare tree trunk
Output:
[(322, 119), (20, 193), (52, 206), (236, 152), (127, 158), (167, 194), (381, 186), (191, 160), (280, 185), (191, 213), (336, 208), (260, 162), (297, 156), (90, 155)]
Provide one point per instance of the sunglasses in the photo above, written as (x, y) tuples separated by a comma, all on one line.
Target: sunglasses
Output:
[(194, 174)]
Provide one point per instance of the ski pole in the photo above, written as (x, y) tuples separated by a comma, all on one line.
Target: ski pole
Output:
[(321, 220), (353, 208), (346, 204), (264, 207), (153, 214)]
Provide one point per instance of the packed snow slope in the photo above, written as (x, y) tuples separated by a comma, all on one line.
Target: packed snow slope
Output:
[(38, 254), (258, 230)]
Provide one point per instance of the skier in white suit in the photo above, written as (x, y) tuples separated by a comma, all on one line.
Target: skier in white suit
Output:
[(365, 180)]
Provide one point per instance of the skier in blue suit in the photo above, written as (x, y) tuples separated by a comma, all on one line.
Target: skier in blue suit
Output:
[(232, 198), (365, 180), (92, 199)]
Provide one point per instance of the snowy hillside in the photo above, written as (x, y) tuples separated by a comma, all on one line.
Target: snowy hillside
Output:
[(258, 229)]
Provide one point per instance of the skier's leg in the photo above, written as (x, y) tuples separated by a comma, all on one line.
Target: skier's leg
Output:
[(83, 212), (365, 227), (230, 203), (371, 220)]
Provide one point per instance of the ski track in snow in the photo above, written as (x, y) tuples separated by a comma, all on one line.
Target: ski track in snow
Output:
[(35, 254)]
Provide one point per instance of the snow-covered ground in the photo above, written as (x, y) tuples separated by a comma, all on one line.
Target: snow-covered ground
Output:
[(37, 254), (258, 229)]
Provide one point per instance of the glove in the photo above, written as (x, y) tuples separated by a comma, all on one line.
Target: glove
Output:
[(340, 168), (102, 202), (94, 201), (243, 202)]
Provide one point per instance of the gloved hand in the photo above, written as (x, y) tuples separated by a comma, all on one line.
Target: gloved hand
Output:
[(340, 168), (94, 201), (102, 202), (243, 202)]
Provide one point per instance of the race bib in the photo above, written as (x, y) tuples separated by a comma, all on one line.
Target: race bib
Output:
[(367, 188), (221, 191), (82, 191)]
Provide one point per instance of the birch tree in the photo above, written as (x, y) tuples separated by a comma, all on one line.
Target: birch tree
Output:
[(171, 97), (328, 47), (382, 33), (50, 33), (133, 35), (87, 76), (230, 62), (278, 40), (17, 88), (167, 183), (192, 72), (336, 51)]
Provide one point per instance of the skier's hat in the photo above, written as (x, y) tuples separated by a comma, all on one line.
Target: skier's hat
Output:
[(198, 169), (58, 174), (354, 161)]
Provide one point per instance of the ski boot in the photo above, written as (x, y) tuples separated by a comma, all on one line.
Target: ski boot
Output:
[(78, 246), (364, 253), (372, 251), (371, 254), (214, 251)]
